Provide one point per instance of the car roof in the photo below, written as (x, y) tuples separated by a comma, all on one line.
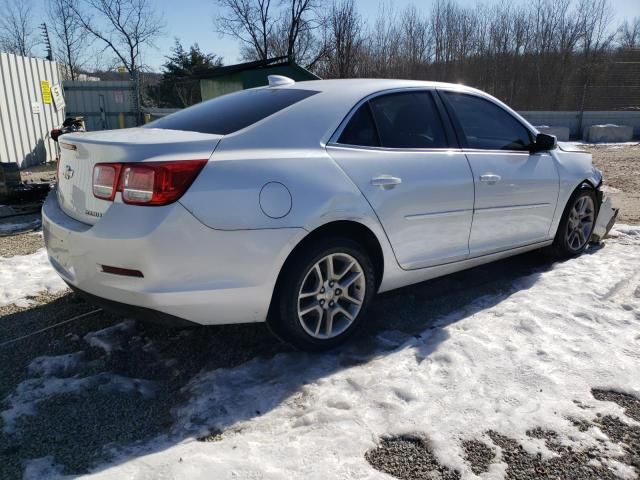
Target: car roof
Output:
[(360, 87)]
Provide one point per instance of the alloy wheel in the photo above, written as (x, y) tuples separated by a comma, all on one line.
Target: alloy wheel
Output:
[(331, 295), (580, 224)]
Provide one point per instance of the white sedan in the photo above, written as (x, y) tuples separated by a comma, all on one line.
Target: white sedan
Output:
[(295, 203)]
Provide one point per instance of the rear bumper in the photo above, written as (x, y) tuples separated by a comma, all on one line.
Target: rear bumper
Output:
[(191, 272), (140, 313)]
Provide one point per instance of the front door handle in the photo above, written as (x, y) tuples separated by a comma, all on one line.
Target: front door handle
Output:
[(490, 178), (385, 182)]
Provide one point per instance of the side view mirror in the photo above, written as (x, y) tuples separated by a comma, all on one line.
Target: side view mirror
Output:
[(544, 143)]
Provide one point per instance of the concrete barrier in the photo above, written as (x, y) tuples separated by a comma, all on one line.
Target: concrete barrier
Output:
[(607, 133), (577, 121), (561, 133)]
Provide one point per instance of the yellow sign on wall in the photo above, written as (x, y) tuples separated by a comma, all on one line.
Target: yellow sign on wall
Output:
[(45, 87)]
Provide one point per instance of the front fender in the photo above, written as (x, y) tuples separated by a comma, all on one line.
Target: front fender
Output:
[(575, 167)]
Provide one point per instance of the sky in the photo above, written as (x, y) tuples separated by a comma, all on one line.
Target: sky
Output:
[(193, 21)]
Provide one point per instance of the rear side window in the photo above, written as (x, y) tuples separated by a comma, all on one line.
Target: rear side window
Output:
[(232, 112), (408, 120), (396, 120), (487, 126), (360, 130)]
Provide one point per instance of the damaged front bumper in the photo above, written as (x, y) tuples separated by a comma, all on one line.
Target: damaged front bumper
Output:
[(607, 216)]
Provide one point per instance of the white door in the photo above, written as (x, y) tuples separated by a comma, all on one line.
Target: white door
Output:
[(515, 191), (396, 150)]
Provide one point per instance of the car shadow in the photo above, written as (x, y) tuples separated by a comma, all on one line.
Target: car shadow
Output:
[(242, 370)]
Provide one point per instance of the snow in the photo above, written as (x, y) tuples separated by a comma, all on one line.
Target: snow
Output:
[(110, 338), (59, 365), (25, 276), (507, 362), (41, 468)]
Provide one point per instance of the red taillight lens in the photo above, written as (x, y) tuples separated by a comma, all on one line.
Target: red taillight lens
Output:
[(150, 183), (105, 180)]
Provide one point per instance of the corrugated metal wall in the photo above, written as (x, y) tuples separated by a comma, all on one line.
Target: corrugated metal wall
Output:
[(104, 105), (24, 133)]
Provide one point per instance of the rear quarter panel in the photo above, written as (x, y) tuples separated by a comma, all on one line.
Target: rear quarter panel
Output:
[(226, 194)]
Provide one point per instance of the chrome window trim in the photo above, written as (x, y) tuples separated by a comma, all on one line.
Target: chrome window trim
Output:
[(394, 149), (480, 150), (333, 140)]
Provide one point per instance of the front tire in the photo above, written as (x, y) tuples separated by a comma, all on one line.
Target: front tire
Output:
[(576, 224), (323, 294)]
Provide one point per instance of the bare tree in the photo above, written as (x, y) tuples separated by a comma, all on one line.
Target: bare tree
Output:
[(415, 39), (629, 33), (71, 40), (343, 38), (17, 33), (125, 27), (300, 22), (250, 21)]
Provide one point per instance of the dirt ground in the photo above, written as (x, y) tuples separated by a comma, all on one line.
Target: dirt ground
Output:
[(621, 167)]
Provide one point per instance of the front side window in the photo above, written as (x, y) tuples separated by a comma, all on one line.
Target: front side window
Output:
[(487, 126), (408, 120)]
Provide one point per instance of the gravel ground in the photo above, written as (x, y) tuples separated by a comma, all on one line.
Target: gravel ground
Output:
[(621, 167), (104, 420), (410, 458), (478, 455), (20, 244)]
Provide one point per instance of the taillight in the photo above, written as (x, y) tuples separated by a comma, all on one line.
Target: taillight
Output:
[(150, 183), (137, 184), (105, 180)]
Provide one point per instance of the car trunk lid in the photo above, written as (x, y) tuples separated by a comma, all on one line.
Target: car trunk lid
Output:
[(80, 152)]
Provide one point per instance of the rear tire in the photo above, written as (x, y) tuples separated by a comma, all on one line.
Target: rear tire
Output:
[(323, 294), (576, 224)]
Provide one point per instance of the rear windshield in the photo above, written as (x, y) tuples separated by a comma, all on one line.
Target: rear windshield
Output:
[(232, 112)]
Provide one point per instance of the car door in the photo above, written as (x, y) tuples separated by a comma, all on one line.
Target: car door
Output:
[(515, 191), (405, 160)]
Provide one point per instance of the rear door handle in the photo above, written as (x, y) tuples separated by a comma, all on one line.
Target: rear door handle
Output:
[(385, 181), (490, 178)]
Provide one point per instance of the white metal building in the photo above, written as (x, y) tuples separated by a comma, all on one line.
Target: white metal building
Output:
[(31, 104)]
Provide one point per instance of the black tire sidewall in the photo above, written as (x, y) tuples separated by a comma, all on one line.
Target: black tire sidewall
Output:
[(560, 243), (283, 319)]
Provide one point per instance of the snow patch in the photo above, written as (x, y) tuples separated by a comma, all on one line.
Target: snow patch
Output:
[(508, 362), (59, 365), (40, 468), (110, 338), (26, 276)]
